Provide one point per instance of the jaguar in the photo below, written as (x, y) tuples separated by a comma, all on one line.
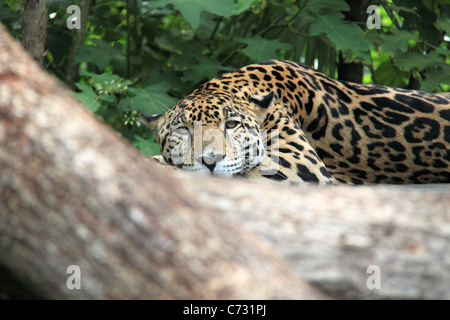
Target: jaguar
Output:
[(284, 121)]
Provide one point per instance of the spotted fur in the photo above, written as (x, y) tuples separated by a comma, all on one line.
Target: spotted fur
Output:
[(326, 130)]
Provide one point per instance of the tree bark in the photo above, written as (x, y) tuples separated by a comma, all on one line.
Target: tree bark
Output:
[(34, 20), (73, 193)]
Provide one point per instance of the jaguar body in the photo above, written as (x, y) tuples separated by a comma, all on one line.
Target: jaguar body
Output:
[(282, 120)]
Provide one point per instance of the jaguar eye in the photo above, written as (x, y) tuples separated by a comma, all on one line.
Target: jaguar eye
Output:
[(181, 130), (231, 124)]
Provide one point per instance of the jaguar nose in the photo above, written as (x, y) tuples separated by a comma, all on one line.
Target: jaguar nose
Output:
[(211, 160), (210, 166)]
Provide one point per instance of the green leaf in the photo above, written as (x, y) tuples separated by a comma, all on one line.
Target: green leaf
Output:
[(337, 5), (444, 24), (191, 9), (205, 69), (436, 77), (389, 75), (260, 49), (242, 5), (107, 85), (101, 54), (418, 60), (397, 40), (101, 80), (148, 147), (442, 51), (302, 22), (87, 96), (412, 10), (153, 99), (107, 98), (344, 36)]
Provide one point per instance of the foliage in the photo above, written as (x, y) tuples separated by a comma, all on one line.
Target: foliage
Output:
[(142, 56)]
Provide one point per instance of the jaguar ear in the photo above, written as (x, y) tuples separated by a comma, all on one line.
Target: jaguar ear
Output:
[(151, 122), (263, 105), (262, 101)]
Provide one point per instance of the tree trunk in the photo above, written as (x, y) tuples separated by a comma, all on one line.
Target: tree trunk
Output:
[(353, 71), (78, 40), (34, 22), (73, 194)]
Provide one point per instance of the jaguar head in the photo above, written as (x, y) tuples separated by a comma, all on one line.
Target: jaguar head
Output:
[(212, 133)]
